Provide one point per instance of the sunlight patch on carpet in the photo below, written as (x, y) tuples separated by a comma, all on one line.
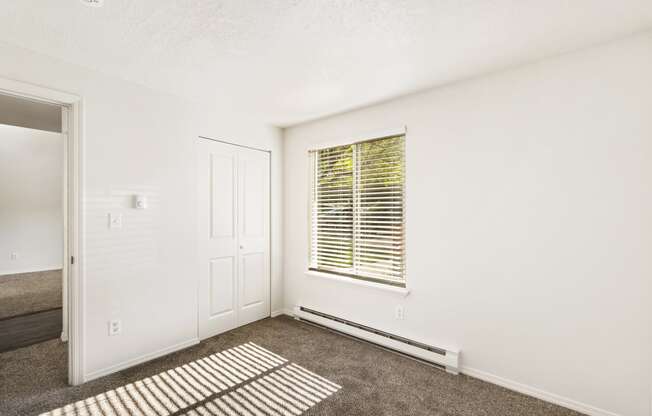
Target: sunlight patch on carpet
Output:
[(241, 381)]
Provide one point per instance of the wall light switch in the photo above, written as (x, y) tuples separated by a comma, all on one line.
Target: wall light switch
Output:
[(14, 256), (115, 220)]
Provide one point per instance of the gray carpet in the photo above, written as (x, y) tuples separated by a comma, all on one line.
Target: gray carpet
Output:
[(373, 381), (25, 293), (21, 331), (246, 380)]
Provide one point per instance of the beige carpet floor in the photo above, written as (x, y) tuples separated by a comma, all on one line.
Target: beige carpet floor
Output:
[(25, 293), (373, 381)]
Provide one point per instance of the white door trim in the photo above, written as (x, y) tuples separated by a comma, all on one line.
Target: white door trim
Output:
[(73, 247)]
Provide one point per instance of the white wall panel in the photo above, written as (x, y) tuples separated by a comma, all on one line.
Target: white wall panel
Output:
[(528, 224), (140, 141), (31, 205)]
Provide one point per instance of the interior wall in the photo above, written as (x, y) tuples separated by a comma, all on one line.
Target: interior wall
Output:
[(31, 206), (136, 140), (31, 114), (528, 225)]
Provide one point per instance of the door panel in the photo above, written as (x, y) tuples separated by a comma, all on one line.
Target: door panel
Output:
[(253, 276), (223, 195), (253, 215), (253, 178), (217, 197), (222, 286), (234, 236)]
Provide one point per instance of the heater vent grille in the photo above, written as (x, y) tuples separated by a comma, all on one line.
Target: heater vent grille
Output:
[(376, 331), (438, 356)]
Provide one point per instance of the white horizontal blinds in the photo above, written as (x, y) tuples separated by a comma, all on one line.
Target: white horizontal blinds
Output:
[(332, 210), (357, 210), (378, 210)]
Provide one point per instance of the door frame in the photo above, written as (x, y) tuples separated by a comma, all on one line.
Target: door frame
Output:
[(73, 276), (271, 228)]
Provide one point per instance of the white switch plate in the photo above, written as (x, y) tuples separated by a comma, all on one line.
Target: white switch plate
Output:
[(115, 220), (115, 327), (14, 256)]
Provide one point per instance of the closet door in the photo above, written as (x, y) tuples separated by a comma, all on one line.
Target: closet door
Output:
[(253, 236), (233, 198)]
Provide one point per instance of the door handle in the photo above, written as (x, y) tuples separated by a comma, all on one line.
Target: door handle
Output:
[(241, 246)]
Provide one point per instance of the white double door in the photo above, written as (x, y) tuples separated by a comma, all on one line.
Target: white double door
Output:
[(234, 236)]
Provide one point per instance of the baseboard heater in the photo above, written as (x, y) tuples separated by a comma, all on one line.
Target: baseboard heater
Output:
[(441, 357)]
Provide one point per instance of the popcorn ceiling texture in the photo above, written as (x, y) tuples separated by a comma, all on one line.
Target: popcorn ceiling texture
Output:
[(288, 61)]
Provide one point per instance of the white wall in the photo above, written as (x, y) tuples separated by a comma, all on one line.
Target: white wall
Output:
[(528, 225), (31, 114), (139, 141), (31, 206)]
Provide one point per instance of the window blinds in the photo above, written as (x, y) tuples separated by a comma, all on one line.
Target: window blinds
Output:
[(357, 209)]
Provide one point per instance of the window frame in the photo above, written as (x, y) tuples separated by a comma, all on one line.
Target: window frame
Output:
[(400, 286)]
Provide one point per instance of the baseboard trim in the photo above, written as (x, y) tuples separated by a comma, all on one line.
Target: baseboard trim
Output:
[(139, 360), (537, 393), (4, 273), (280, 312)]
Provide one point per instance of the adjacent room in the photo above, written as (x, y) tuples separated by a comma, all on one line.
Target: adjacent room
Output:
[(326, 207), (31, 223)]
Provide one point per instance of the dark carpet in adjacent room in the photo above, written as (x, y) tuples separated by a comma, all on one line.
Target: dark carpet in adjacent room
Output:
[(25, 293), (21, 331), (374, 381)]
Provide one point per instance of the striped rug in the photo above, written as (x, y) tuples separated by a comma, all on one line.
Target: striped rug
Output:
[(246, 380)]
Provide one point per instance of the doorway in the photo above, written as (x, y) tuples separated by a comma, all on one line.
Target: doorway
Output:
[(44, 266), (233, 236), (31, 223)]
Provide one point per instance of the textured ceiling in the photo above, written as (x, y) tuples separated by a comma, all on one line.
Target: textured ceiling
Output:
[(288, 61)]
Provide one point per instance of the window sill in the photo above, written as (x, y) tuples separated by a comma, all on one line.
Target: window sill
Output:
[(357, 282)]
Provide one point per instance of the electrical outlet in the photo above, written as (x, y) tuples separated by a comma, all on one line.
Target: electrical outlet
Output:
[(399, 313), (14, 256), (115, 327)]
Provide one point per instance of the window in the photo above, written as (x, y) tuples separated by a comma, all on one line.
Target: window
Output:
[(357, 210)]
